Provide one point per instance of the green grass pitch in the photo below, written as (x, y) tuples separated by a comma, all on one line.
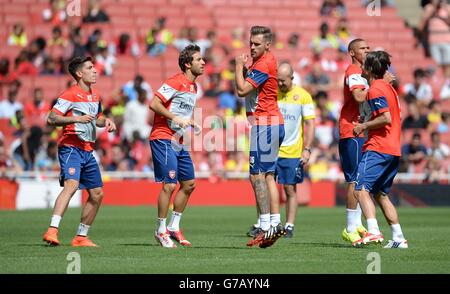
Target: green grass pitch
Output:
[(125, 235)]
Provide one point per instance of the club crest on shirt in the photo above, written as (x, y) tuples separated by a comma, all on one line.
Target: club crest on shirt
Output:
[(172, 174), (71, 171), (192, 88)]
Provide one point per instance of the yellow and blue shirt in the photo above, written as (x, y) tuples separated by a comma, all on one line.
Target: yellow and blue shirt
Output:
[(295, 106)]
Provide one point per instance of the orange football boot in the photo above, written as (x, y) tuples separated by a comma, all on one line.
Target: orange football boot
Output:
[(51, 236)]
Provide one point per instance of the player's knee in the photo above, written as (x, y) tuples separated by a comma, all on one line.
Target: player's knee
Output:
[(169, 187), (189, 188), (97, 195), (71, 186)]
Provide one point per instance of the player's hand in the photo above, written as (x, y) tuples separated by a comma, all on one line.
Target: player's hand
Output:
[(110, 125), (389, 77), (85, 119), (181, 122), (305, 157), (242, 59), (197, 127), (358, 129)]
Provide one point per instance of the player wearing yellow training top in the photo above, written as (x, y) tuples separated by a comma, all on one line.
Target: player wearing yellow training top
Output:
[(297, 107)]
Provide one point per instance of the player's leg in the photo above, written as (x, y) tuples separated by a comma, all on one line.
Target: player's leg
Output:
[(70, 163), (90, 179), (350, 152), (370, 168), (259, 185), (291, 208), (388, 208), (270, 141), (186, 177), (165, 169)]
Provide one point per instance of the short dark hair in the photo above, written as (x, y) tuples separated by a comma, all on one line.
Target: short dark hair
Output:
[(76, 63), (186, 56), (419, 73), (377, 63), (260, 30), (353, 43)]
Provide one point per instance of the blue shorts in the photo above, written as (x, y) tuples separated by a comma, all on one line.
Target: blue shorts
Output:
[(289, 171), (265, 143), (350, 154), (171, 162), (376, 172), (79, 165)]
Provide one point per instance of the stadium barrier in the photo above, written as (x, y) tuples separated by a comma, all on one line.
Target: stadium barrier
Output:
[(31, 190)]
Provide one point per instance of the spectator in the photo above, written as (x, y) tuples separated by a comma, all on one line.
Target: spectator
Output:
[(36, 111), (419, 88), (136, 117), (434, 116), (56, 14), (443, 126), (25, 153), (293, 41), (6, 76), (104, 61), (317, 80), (5, 162), (18, 37), (9, 106), (47, 158), (437, 155), (49, 67), (37, 52), (334, 8), (119, 161), (228, 99), (158, 38), (214, 85), (435, 21), (343, 34), (325, 39), (95, 41), (75, 47), (57, 38), (95, 13), (131, 88), (445, 90), (23, 65), (125, 46), (237, 38), (413, 154), (415, 120)]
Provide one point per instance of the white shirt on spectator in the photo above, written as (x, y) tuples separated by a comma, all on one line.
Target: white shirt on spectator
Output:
[(424, 93), (8, 109), (135, 118)]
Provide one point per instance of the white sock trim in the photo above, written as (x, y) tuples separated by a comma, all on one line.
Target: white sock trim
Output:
[(56, 219)]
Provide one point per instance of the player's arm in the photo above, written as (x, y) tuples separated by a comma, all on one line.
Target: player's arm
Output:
[(56, 120), (104, 122), (243, 87), (158, 107), (380, 121), (308, 139)]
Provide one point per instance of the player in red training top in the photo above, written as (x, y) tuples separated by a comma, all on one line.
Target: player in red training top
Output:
[(350, 146), (382, 151), (78, 110), (260, 89), (173, 105)]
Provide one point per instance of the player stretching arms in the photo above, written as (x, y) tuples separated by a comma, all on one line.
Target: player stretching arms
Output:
[(173, 105), (380, 160), (79, 111), (267, 132)]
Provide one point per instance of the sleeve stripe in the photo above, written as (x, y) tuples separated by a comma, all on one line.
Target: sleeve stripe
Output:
[(377, 104), (163, 99), (257, 76)]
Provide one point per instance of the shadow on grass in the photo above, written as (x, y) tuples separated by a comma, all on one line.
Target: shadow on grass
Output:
[(327, 245)]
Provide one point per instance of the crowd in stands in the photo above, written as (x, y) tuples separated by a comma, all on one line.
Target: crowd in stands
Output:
[(32, 145)]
